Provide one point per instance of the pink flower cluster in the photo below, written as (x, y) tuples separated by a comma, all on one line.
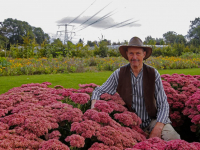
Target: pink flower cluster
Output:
[(10, 139), (80, 98), (109, 106), (100, 117), (54, 135), (103, 106), (91, 85), (192, 110), (159, 144), (53, 144), (86, 129), (183, 97), (86, 90), (177, 104), (116, 98), (76, 140), (101, 146), (121, 137), (185, 84), (30, 112), (128, 118), (34, 116)]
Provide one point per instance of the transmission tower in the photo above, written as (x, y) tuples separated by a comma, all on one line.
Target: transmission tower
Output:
[(66, 38)]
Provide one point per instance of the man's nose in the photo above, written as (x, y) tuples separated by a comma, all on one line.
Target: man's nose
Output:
[(134, 56)]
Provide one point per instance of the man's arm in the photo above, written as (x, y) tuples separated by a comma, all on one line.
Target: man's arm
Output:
[(157, 130), (162, 108), (109, 87)]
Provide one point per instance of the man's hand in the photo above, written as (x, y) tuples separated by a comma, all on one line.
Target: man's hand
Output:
[(157, 130), (92, 104)]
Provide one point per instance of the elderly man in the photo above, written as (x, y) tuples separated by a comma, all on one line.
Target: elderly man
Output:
[(141, 88)]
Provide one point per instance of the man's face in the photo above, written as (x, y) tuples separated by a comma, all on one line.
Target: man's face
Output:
[(135, 56)]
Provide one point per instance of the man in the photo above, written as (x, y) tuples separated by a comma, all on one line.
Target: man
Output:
[(141, 88)]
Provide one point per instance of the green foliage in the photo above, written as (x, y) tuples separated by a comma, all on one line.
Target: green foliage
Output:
[(40, 36), (194, 32), (176, 50), (4, 62), (14, 30), (90, 43), (190, 55), (149, 41), (113, 52), (103, 49), (169, 37)]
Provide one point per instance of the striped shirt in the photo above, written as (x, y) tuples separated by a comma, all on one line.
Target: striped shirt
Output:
[(110, 87)]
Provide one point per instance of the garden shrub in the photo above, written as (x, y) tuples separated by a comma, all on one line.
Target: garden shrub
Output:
[(4, 62)]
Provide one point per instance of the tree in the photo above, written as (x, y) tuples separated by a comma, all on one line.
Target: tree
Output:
[(107, 42), (170, 37), (39, 35), (90, 43), (149, 41), (3, 42), (57, 42), (160, 41), (180, 39), (103, 48), (14, 30), (47, 38), (125, 42), (194, 32), (80, 41)]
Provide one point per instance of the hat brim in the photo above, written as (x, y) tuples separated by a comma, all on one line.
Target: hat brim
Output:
[(123, 50)]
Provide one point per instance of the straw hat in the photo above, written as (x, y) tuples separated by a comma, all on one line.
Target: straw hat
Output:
[(135, 42)]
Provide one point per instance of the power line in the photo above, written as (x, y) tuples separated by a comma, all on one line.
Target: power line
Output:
[(118, 23), (95, 14), (100, 19), (127, 24), (82, 12)]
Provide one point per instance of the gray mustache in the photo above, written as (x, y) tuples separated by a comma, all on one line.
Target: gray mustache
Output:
[(134, 60)]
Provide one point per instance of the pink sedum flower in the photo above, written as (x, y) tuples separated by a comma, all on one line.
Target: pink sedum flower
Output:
[(103, 106), (101, 146), (128, 118), (76, 140), (54, 135), (86, 129), (53, 144), (80, 98)]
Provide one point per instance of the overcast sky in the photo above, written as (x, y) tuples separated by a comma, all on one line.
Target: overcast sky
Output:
[(146, 17)]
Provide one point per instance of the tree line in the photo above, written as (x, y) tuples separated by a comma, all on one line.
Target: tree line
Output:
[(12, 31), (23, 41), (171, 37)]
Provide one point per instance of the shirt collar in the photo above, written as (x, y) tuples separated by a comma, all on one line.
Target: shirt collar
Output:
[(140, 73)]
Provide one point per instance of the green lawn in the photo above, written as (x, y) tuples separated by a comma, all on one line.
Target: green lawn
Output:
[(72, 80)]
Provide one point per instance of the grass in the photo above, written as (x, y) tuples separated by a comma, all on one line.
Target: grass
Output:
[(72, 80)]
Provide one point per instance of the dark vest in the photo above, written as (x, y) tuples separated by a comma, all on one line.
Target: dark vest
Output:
[(125, 90)]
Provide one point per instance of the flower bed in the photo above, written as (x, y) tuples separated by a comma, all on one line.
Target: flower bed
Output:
[(35, 116), (33, 66)]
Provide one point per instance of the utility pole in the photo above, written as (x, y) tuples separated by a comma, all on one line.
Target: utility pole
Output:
[(66, 38)]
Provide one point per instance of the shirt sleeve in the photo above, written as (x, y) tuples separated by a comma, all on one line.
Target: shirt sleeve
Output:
[(161, 100), (109, 86)]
